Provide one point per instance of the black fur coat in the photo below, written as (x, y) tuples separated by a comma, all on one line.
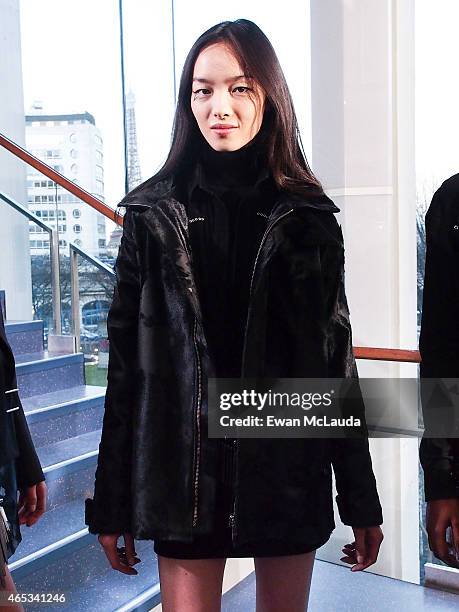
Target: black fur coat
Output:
[(156, 474)]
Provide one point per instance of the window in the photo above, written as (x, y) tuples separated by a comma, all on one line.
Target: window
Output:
[(78, 242), (77, 228), (72, 136), (74, 153), (74, 168), (76, 213), (101, 243)]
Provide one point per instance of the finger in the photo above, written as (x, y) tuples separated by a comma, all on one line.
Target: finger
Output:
[(448, 559), (114, 560), (30, 505), (439, 543), (347, 559), (131, 555), (373, 546), (360, 545)]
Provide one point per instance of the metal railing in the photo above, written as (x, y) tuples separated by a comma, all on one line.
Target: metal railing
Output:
[(74, 284), (54, 256)]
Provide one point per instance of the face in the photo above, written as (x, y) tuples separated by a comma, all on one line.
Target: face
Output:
[(222, 95)]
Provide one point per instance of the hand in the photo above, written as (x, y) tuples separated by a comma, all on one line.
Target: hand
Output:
[(440, 514), (121, 559), (32, 503), (364, 551)]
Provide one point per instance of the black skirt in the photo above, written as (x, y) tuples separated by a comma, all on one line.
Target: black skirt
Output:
[(218, 543), (10, 534)]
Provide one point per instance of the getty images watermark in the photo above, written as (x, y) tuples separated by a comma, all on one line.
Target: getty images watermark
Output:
[(332, 408)]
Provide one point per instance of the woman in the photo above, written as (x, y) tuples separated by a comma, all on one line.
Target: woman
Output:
[(230, 264), (20, 468)]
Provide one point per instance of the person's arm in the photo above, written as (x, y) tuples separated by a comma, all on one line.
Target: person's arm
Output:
[(357, 496), (28, 467), (109, 512), (439, 348), (439, 337), (357, 499)]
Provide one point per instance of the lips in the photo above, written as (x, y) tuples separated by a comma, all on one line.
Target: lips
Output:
[(223, 126), (225, 130)]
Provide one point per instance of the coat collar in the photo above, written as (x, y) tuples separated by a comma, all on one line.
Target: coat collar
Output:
[(171, 187)]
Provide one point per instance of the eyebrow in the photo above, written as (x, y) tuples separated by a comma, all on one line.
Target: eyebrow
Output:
[(235, 78)]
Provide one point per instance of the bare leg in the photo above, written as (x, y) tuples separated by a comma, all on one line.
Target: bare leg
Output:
[(191, 585), (9, 588), (283, 583)]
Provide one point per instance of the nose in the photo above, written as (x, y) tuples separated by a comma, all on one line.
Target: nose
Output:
[(221, 105)]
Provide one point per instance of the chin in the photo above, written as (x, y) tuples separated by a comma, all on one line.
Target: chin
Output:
[(226, 145)]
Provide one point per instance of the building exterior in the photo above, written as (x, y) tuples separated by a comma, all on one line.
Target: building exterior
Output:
[(72, 145)]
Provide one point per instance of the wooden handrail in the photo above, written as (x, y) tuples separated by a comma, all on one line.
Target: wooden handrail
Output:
[(360, 352), (58, 178), (386, 354)]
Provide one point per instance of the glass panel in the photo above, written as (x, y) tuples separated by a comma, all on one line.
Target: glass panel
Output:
[(74, 112)]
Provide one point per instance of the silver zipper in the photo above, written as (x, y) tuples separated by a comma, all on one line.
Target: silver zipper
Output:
[(232, 516), (197, 456)]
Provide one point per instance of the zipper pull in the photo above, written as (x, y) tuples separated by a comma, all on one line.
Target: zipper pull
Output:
[(231, 520)]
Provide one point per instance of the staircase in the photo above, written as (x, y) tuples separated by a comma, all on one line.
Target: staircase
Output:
[(57, 554)]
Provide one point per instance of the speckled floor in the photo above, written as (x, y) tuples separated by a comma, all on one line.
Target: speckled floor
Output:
[(335, 588)]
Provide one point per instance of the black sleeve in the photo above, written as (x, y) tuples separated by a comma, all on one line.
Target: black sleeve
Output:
[(110, 510), (357, 499), (439, 337), (28, 468)]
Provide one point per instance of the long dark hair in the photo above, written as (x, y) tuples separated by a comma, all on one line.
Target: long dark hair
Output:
[(257, 58)]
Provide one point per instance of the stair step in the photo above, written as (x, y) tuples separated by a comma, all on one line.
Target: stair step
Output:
[(89, 583), (60, 453), (69, 467), (43, 372), (25, 336), (63, 414), (51, 528)]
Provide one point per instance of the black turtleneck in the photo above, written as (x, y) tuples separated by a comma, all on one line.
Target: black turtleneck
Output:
[(236, 171), (230, 196)]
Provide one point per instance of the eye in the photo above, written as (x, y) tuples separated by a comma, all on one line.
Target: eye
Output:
[(242, 87), (198, 90)]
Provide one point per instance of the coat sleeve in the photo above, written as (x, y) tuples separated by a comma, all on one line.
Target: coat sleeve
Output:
[(28, 467), (110, 509), (439, 337), (27, 464), (357, 498)]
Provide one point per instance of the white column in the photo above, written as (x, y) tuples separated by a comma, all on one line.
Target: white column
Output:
[(362, 67), (14, 229)]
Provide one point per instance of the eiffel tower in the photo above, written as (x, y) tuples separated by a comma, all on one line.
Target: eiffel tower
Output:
[(134, 176)]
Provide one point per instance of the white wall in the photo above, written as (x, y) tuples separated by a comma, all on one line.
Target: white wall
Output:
[(14, 229)]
